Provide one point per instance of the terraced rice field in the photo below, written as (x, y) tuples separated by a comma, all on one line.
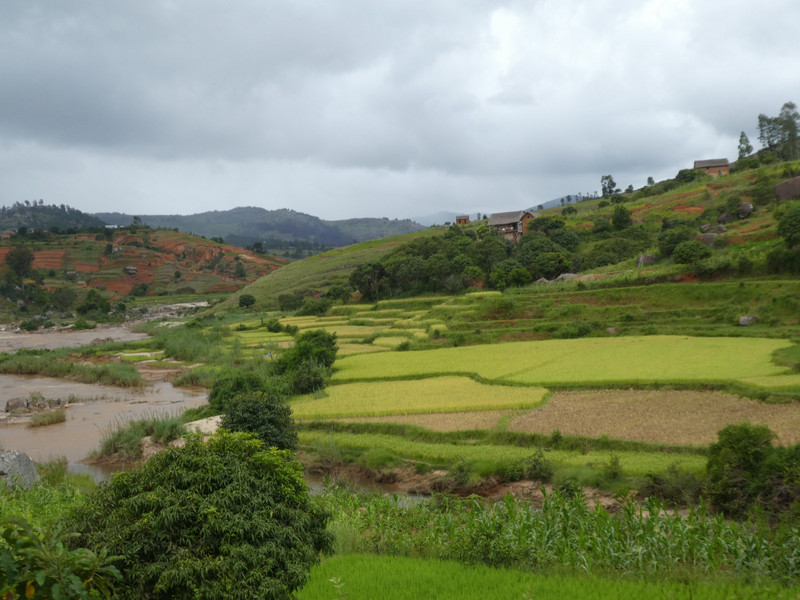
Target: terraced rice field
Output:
[(436, 395), (589, 361)]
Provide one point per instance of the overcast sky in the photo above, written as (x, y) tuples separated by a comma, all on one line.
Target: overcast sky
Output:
[(361, 108)]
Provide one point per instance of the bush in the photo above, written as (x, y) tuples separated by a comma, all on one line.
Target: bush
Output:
[(736, 467), (314, 307), (690, 252), (265, 414), (233, 382), (223, 519), (273, 326), (289, 302)]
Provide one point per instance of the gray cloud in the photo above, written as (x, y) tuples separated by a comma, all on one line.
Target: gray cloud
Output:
[(359, 108)]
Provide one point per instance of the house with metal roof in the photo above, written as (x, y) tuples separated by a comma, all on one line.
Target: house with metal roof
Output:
[(511, 225), (714, 166)]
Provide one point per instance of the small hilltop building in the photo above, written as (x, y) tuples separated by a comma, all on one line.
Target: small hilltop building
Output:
[(511, 225)]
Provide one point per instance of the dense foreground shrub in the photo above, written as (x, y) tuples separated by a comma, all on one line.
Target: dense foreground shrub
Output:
[(223, 519), (35, 564)]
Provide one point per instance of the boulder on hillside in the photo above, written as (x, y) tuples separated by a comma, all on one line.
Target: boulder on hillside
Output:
[(566, 277), (721, 228), (17, 469), (646, 260), (725, 218), (746, 320), (542, 280), (708, 239), (788, 190), (745, 209), (705, 227)]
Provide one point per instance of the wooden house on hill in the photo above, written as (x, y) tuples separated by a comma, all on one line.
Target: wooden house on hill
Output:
[(462, 220), (511, 225), (714, 166)]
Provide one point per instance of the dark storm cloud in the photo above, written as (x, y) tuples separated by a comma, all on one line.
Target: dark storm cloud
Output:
[(362, 108)]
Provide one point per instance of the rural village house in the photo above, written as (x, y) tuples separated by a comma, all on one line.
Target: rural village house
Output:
[(462, 220), (714, 166), (511, 225)]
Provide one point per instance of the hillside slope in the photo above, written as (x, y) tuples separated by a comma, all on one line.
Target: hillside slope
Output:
[(143, 261), (733, 217)]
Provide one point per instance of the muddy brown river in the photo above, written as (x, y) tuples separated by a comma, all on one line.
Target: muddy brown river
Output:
[(94, 410)]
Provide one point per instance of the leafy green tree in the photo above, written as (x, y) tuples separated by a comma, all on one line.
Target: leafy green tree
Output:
[(745, 147), (239, 271), (789, 226), (246, 300), (370, 280), (63, 298), (690, 252), (608, 186), (550, 265), (569, 210), (621, 218), (265, 414), (651, 182), (20, 260), (222, 519)]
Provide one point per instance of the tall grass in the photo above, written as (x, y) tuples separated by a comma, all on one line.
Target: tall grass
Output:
[(124, 442), (57, 365), (48, 418), (640, 539)]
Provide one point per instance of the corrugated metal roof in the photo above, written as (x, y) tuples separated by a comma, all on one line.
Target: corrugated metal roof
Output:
[(713, 162), (506, 218)]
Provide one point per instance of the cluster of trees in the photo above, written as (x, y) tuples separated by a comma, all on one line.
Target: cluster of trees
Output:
[(462, 258), (778, 135)]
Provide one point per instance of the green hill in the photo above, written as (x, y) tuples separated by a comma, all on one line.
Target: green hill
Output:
[(730, 221)]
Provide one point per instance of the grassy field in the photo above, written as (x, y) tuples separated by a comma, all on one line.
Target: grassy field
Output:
[(358, 576), (436, 395), (631, 463)]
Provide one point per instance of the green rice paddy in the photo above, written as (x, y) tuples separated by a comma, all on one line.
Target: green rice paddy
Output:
[(587, 361), (436, 395)]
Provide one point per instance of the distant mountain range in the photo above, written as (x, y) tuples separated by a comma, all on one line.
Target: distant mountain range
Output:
[(37, 215), (245, 225)]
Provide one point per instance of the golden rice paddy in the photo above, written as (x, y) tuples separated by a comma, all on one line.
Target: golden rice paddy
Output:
[(661, 416)]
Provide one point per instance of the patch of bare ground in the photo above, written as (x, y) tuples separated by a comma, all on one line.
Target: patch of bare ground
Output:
[(659, 416), (457, 421)]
